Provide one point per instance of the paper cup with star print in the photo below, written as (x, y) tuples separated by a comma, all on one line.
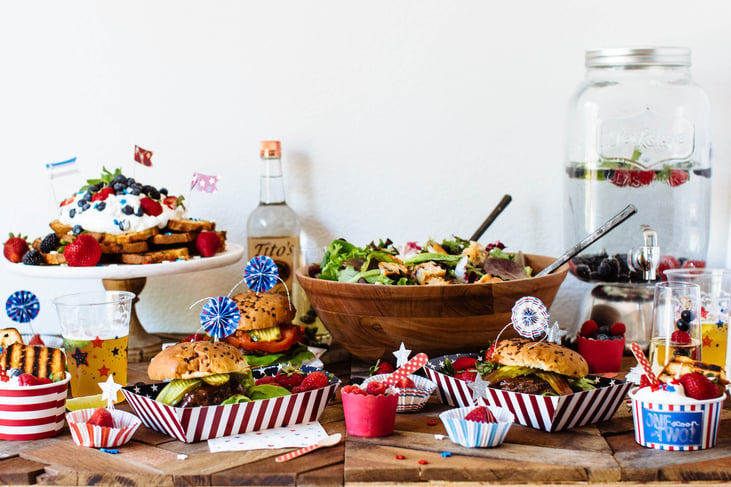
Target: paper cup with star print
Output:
[(95, 331)]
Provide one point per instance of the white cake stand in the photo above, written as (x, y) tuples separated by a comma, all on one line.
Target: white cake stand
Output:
[(132, 277)]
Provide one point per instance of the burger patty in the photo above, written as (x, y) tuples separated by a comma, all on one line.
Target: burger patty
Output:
[(527, 384), (208, 395)]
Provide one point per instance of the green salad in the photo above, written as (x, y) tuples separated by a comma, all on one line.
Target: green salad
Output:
[(452, 261)]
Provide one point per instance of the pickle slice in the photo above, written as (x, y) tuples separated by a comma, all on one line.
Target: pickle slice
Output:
[(174, 391), (271, 334), (216, 379)]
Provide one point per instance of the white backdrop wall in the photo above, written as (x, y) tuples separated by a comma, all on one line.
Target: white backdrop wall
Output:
[(400, 119)]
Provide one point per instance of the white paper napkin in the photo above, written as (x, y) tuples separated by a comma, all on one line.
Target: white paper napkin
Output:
[(292, 436)]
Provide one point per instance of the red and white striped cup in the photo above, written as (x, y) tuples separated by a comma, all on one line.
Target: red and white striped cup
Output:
[(32, 412)]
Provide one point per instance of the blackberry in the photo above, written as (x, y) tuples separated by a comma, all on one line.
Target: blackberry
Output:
[(49, 243), (127, 210), (608, 269), (77, 229), (32, 257), (583, 272)]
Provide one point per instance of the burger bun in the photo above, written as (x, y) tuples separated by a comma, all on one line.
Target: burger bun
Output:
[(550, 357), (191, 360)]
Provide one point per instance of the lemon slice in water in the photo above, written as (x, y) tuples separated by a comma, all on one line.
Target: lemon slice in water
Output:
[(85, 402)]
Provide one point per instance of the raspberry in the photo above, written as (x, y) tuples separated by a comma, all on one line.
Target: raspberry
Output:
[(314, 380), (481, 414), (353, 389), (641, 178), (680, 337), (589, 328), (150, 206), (621, 178), (617, 329), (677, 177), (698, 386), (376, 388)]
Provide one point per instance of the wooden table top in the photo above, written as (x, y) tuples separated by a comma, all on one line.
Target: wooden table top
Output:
[(414, 454)]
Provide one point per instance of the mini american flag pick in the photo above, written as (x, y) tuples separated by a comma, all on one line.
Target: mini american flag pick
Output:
[(143, 156), (204, 182)]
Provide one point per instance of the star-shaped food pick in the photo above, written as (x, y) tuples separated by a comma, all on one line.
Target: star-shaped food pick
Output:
[(479, 388), (402, 355), (109, 391), (554, 333)]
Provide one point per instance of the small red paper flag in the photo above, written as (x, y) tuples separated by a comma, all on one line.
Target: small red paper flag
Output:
[(143, 156), (204, 182)]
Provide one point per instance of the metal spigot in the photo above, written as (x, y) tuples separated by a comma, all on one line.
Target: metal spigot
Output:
[(647, 257)]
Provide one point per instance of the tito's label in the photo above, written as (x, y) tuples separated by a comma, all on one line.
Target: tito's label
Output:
[(284, 251)]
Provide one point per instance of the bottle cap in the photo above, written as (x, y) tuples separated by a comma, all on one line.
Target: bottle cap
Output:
[(646, 56), (270, 148)]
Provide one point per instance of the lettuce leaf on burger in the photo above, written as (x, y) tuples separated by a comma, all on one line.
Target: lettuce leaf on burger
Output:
[(538, 368), (265, 332)]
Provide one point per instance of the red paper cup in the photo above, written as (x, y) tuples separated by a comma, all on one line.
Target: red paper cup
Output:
[(369, 415), (601, 355), (33, 412)]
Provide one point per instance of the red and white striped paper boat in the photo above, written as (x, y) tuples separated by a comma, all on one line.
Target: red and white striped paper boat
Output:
[(94, 436), (547, 413), (677, 427), (32, 412), (201, 423)]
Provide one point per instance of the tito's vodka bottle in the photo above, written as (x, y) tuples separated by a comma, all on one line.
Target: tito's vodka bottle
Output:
[(273, 228)]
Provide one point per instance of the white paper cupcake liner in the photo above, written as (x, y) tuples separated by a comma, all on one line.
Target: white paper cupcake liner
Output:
[(410, 400), (473, 434), (97, 436)]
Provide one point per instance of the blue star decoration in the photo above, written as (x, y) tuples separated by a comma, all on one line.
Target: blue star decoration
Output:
[(80, 357)]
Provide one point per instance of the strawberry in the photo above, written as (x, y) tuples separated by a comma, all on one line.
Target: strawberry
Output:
[(101, 417), (666, 262), (466, 375), (677, 177), (641, 178), (15, 248), (67, 201), (353, 389), (693, 264), (481, 414), (376, 388), (698, 386), (314, 380), (621, 178), (405, 383), (196, 337), (28, 380), (207, 243), (680, 337), (289, 377), (381, 368), (171, 202), (4, 376), (83, 252), (463, 363), (36, 340), (267, 379), (44, 380), (617, 329), (102, 194), (150, 206), (589, 328)]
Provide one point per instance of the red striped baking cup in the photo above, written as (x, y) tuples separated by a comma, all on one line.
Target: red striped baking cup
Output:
[(85, 434)]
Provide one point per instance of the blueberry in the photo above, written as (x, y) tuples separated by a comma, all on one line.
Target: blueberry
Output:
[(127, 210), (685, 352), (119, 178), (85, 206), (602, 336), (14, 372), (154, 194), (687, 315), (86, 197), (124, 225), (164, 191), (130, 181), (80, 202), (77, 229), (72, 212), (119, 187), (140, 211), (682, 325), (133, 190), (101, 205), (603, 330)]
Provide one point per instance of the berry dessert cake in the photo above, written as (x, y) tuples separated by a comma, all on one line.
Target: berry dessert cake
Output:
[(116, 219)]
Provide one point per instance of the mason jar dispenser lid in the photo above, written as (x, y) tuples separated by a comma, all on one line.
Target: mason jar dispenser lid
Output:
[(642, 56)]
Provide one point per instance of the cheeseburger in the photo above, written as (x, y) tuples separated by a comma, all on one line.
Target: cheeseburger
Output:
[(202, 373), (266, 329), (538, 368)]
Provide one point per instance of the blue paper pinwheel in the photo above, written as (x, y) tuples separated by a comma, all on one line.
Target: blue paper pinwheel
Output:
[(220, 317), (261, 273), (22, 306)]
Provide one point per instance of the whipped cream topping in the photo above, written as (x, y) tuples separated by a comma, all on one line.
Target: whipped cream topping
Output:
[(664, 394), (109, 216)]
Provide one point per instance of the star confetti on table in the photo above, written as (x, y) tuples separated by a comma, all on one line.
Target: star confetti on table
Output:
[(109, 390), (479, 388), (402, 355), (80, 357)]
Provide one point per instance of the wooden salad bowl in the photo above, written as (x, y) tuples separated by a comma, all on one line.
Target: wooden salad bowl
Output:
[(372, 320)]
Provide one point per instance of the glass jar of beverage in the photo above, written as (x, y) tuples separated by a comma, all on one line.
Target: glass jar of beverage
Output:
[(638, 133)]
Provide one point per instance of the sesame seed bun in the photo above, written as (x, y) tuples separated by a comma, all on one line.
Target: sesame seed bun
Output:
[(550, 357), (263, 310), (191, 360)]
